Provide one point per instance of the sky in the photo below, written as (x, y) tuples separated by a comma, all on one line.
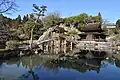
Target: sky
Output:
[(109, 9)]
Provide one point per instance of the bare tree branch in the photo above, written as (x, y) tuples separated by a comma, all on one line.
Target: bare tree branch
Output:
[(7, 5)]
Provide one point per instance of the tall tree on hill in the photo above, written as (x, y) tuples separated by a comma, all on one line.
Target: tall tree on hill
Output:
[(18, 19), (39, 11), (25, 18), (99, 14), (16, 22), (100, 17)]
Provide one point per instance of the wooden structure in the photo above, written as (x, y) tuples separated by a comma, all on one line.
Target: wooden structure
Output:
[(92, 32), (54, 40)]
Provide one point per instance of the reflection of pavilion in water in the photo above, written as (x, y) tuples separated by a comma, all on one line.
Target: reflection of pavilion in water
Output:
[(83, 64)]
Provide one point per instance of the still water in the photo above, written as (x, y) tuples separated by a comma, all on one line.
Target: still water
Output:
[(39, 67)]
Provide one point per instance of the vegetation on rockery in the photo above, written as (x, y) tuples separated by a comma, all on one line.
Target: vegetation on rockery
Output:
[(12, 44)]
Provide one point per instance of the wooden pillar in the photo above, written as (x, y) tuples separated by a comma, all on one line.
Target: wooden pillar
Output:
[(52, 47), (55, 45), (99, 38), (65, 42), (71, 46), (47, 46), (60, 45), (43, 47)]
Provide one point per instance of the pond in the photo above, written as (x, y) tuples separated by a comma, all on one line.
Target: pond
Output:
[(43, 67)]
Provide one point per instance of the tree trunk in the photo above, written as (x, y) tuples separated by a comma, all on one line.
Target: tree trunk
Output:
[(31, 38)]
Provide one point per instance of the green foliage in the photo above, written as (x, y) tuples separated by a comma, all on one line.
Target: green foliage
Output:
[(82, 19), (112, 32), (115, 31), (18, 19), (51, 19), (40, 10), (4, 28), (81, 26), (79, 18), (12, 45), (21, 29), (72, 31), (37, 29), (25, 18), (118, 23), (96, 18), (100, 17)]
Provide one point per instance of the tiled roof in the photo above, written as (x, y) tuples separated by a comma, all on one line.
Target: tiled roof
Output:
[(92, 27)]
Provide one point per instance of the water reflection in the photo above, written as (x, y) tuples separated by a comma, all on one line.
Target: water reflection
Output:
[(47, 67), (82, 65)]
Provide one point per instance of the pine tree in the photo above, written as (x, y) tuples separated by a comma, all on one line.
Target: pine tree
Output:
[(18, 19), (25, 18), (100, 16)]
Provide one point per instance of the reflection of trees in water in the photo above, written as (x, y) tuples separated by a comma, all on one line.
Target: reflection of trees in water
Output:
[(117, 59), (31, 63), (117, 62), (30, 74), (27, 62), (106, 62), (81, 65)]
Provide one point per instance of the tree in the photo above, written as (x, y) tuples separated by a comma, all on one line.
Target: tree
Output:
[(100, 17), (99, 14), (118, 23), (96, 19), (4, 29), (28, 25), (18, 19), (79, 20), (39, 11), (51, 19), (25, 18), (7, 5)]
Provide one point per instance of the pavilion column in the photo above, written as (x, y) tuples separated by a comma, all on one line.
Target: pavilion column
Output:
[(43, 47), (52, 46), (71, 46), (60, 44), (65, 42), (99, 38), (47, 46)]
